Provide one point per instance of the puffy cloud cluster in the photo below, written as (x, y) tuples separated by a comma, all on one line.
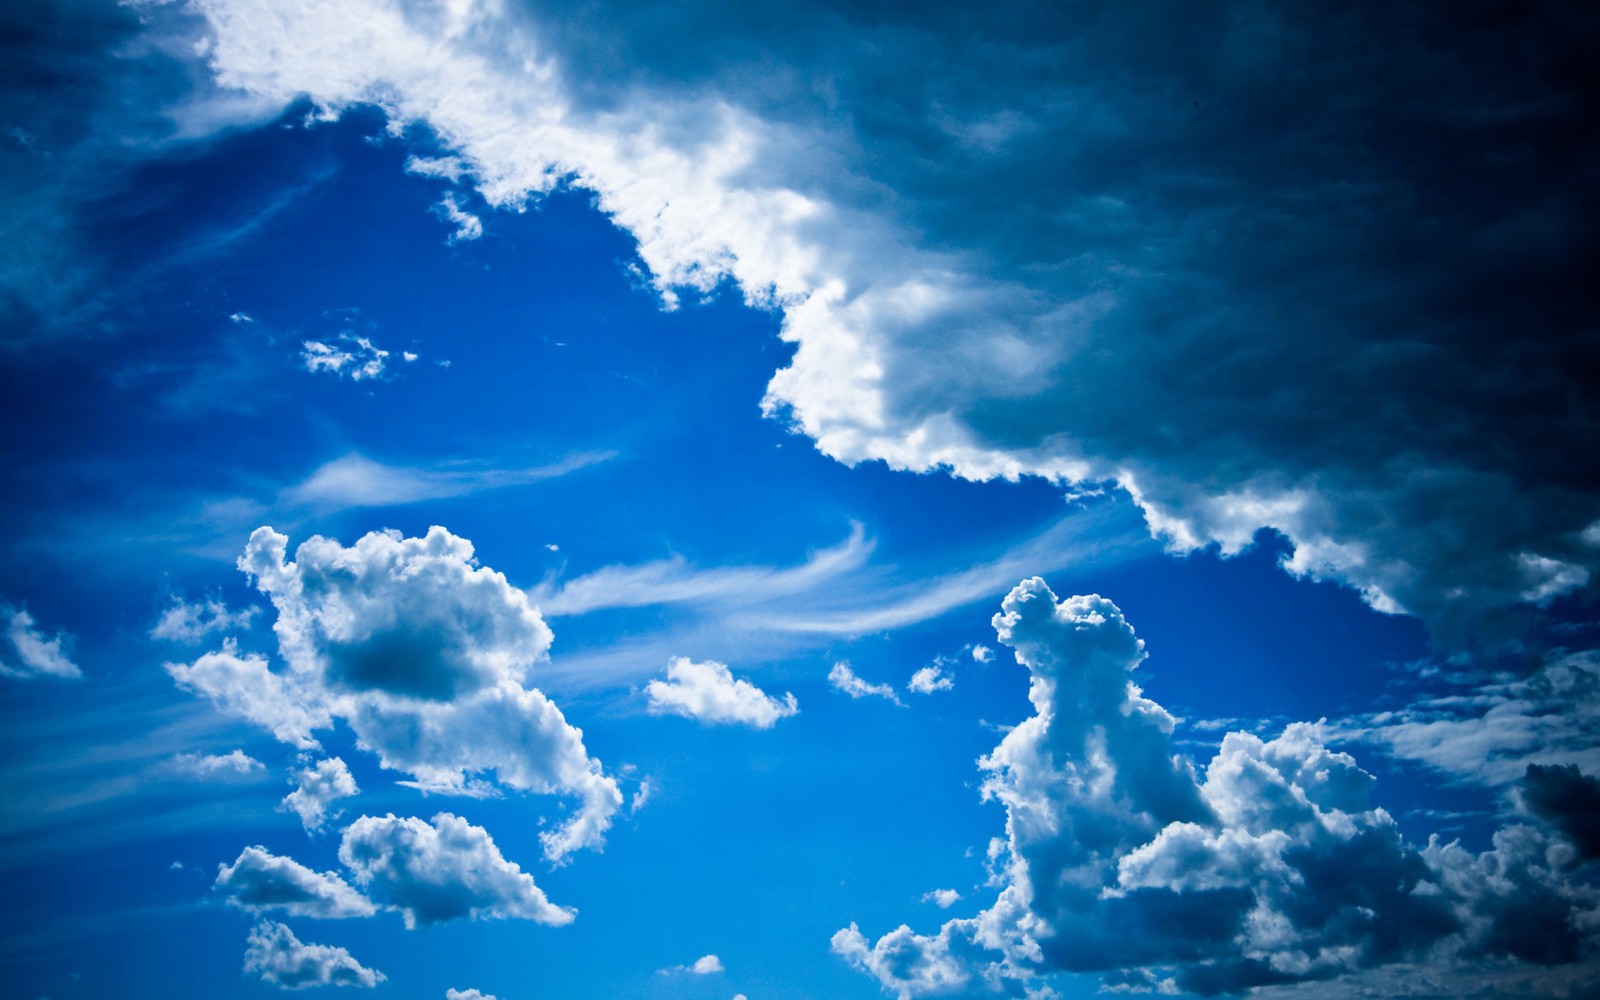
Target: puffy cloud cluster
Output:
[(260, 880), (929, 679), (1096, 246), (355, 358), (317, 788), (32, 653), (1271, 868), (709, 692), (844, 678), (443, 870), (279, 958), (425, 655)]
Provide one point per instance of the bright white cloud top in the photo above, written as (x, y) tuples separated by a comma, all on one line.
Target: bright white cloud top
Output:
[(259, 880), (32, 653), (282, 960), (317, 788), (709, 692)]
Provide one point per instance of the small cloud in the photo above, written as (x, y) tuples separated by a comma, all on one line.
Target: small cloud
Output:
[(468, 995), (641, 796), (36, 655), (930, 679), (260, 880), (185, 622), (710, 693), (408, 356), (845, 679), (279, 958), (552, 546), (447, 168), (705, 965), (242, 318), (318, 788), (357, 359), (468, 226), (942, 898), (212, 767), (982, 654)]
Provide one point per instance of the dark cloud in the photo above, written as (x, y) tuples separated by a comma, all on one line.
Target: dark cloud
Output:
[(1273, 868), (1568, 800)]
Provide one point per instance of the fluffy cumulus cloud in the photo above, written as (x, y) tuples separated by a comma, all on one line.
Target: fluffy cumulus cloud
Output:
[(454, 994), (260, 880), (1095, 245), (425, 654), (355, 358), (443, 870), (317, 788), (281, 959), (844, 678), (31, 652), (1271, 867), (705, 965), (709, 692), (930, 679)]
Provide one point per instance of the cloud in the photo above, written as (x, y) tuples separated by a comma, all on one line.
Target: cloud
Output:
[(1568, 800), (31, 653), (358, 359), (845, 679), (354, 480), (708, 692), (930, 679), (468, 226), (942, 898), (246, 687), (982, 654), (1272, 868), (211, 767), (442, 870), (424, 654), (279, 958), (186, 622), (705, 965), (1076, 246), (259, 880), (317, 788), (468, 995), (1487, 729)]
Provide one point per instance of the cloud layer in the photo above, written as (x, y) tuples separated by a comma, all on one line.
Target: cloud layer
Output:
[(1092, 246), (1273, 867), (425, 655)]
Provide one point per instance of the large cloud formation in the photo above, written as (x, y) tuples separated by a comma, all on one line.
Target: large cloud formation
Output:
[(425, 654), (1315, 268), (1271, 868)]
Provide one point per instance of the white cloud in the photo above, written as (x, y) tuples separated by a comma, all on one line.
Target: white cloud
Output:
[(441, 871), (317, 788), (279, 958), (355, 358), (942, 898), (186, 622), (710, 693), (705, 965), (927, 341), (468, 995), (260, 880), (424, 654), (468, 226), (246, 687), (210, 767), (982, 654), (845, 679), (930, 679), (1488, 729), (35, 654), (354, 480), (1275, 868)]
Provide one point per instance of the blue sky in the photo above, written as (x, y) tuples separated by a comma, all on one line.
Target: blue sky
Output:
[(519, 500)]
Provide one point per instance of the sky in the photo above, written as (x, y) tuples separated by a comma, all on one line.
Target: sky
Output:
[(798, 500)]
